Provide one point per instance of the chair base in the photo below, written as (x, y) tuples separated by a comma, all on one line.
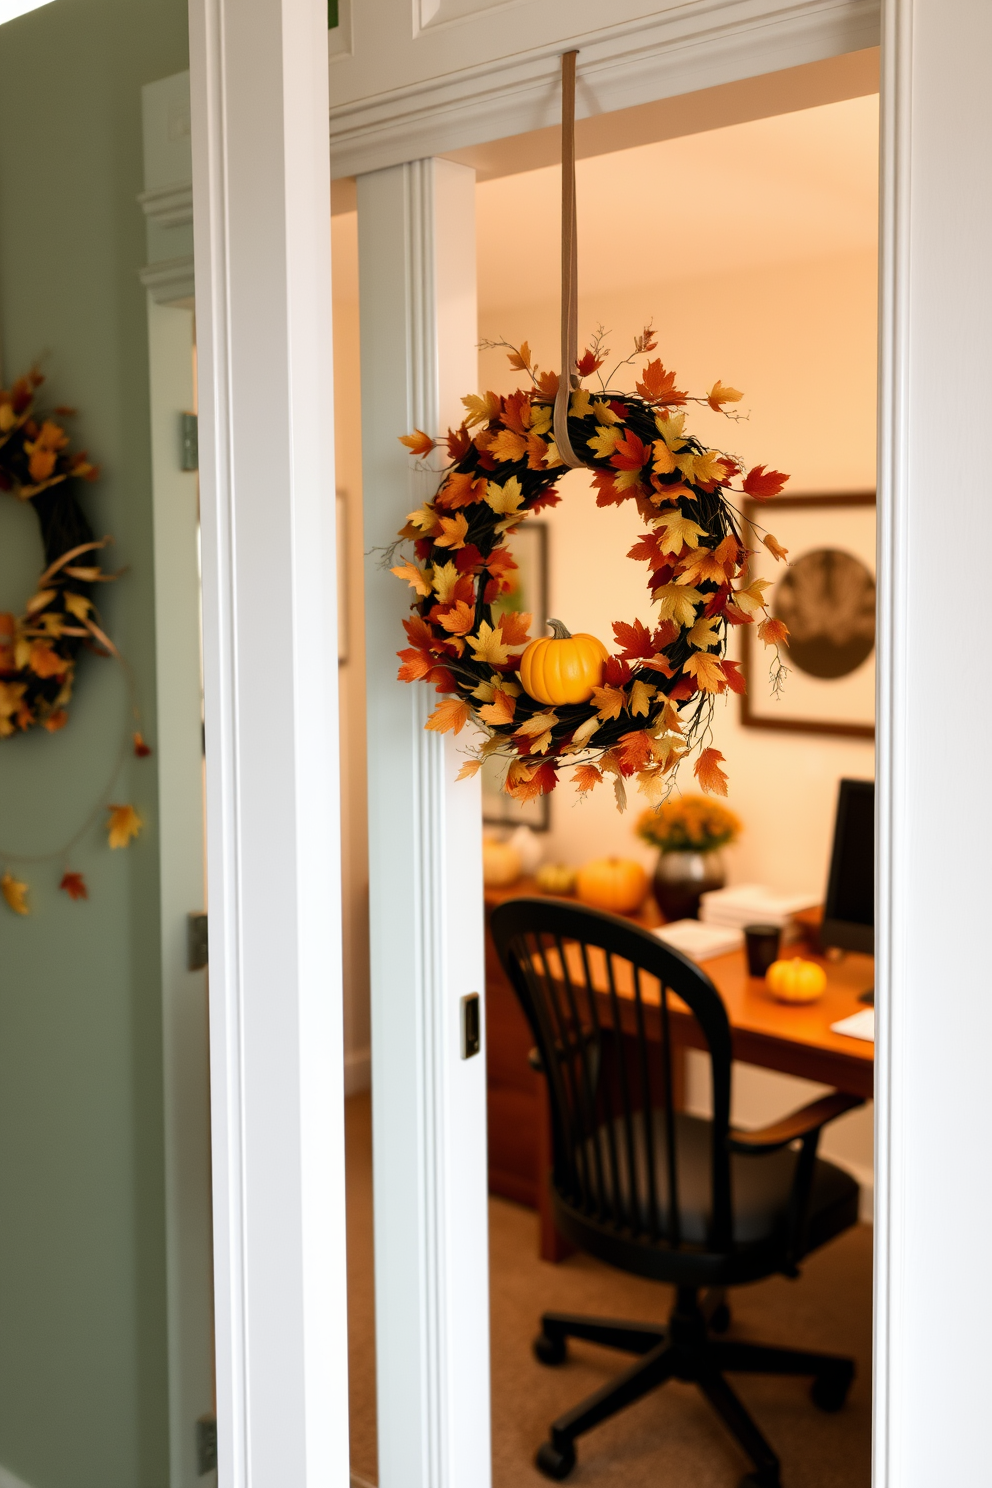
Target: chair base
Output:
[(685, 1350)]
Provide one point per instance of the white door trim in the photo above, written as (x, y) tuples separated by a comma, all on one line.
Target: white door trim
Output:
[(262, 246)]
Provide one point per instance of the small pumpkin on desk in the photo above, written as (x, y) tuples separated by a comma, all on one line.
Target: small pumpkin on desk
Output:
[(796, 980), (562, 668), (500, 863), (617, 885), (556, 878)]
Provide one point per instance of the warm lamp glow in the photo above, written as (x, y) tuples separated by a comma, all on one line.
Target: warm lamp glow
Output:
[(11, 9)]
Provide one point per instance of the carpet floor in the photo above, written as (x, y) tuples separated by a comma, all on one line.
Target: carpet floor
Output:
[(671, 1439)]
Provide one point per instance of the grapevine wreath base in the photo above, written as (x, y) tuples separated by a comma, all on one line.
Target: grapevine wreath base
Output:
[(561, 702)]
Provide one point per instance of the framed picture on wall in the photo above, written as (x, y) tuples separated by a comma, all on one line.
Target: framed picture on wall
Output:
[(529, 546), (825, 593)]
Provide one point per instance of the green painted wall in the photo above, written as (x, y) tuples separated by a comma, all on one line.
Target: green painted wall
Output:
[(83, 1369)]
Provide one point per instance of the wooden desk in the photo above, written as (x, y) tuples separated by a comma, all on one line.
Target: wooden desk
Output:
[(794, 1040)]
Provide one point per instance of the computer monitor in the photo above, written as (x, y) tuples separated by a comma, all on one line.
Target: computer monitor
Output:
[(849, 912)]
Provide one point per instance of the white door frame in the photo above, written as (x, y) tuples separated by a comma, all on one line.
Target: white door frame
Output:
[(259, 112), (261, 191)]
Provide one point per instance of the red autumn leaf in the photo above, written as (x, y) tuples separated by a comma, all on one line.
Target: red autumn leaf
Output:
[(418, 443), (468, 558), (588, 363), (547, 498), (616, 672), (732, 672), (459, 442), (648, 549), (516, 412), (658, 386), (634, 751), (630, 453), (74, 884), (762, 483), (717, 602), (422, 548), (441, 679), (606, 492), (500, 561), (707, 771), (635, 640), (515, 627), (141, 749), (684, 689)]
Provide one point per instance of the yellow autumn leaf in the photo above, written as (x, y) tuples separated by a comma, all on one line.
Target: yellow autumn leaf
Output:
[(508, 445), (39, 601), (608, 702), (481, 409), (704, 633), (678, 531), (415, 576), (77, 604), (488, 645), (752, 599), (719, 394), (664, 459), (15, 892), (701, 469), (605, 441), (531, 728), (677, 602), (424, 519), (580, 403), (670, 429), (706, 669), (124, 824), (653, 784), (640, 697), (604, 413), (469, 768), (504, 499), (454, 531), (444, 577)]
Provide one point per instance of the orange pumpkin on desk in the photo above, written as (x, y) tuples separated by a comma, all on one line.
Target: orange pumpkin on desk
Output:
[(562, 668), (796, 980), (617, 885)]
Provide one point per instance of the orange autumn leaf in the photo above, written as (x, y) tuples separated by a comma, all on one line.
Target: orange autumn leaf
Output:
[(507, 445), (141, 749), (547, 385), (55, 721), (762, 483), (520, 360), (415, 577), (418, 443), (459, 620), (45, 662), (124, 824), (469, 768), (515, 625), (500, 711), (454, 531), (461, 488), (608, 702), (707, 771), (587, 776), (416, 664), (74, 884), (775, 547), (634, 750), (15, 893), (450, 714), (658, 386), (707, 670), (773, 632)]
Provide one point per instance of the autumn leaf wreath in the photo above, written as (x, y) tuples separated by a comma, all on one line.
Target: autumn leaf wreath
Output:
[(636, 713)]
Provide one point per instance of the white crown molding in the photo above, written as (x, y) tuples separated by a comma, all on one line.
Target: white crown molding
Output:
[(697, 46), (168, 282), (168, 206)]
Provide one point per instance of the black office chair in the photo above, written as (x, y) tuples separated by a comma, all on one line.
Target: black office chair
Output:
[(653, 1190)]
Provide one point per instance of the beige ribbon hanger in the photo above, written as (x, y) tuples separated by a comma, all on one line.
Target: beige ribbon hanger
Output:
[(569, 266)]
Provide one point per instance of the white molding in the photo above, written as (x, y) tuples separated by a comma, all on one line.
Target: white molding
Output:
[(934, 1014), (170, 281), (681, 50), (261, 187), (168, 206), (416, 227)]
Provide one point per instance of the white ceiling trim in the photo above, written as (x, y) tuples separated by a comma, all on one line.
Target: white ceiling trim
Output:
[(700, 46)]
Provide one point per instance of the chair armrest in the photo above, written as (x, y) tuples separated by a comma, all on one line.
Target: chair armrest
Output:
[(799, 1124)]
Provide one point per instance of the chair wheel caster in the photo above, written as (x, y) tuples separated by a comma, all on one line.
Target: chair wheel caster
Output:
[(549, 1350), (555, 1462), (720, 1320), (829, 1391)]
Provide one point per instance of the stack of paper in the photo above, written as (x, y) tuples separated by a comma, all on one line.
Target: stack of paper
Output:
[(859, 1025), (700, 942), (754, 904)]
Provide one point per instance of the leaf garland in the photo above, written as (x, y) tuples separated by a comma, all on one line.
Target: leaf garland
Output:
[(658, 689)]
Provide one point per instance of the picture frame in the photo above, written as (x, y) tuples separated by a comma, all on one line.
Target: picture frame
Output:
[(825, 593), (529, 546)]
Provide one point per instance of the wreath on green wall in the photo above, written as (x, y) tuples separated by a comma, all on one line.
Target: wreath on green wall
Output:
[(39, 648), (554, 703)]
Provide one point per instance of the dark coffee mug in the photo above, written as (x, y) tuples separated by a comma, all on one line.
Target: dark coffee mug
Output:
[(762, 943)]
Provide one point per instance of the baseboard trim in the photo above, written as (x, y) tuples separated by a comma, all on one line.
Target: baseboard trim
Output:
[(357, 1076)]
